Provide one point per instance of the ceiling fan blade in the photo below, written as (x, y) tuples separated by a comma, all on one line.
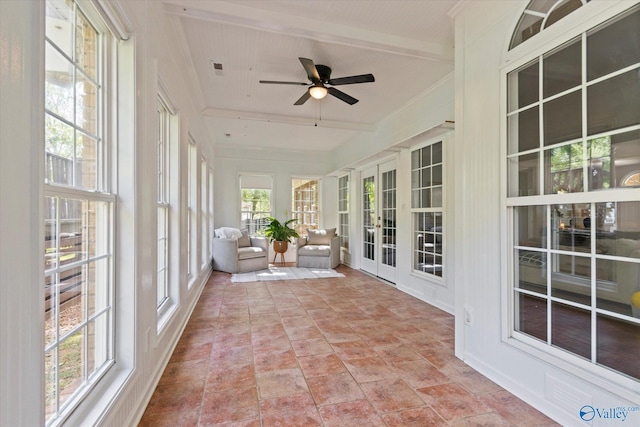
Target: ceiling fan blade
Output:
[(310, 68), (342, 96), (276, 82), (303, 98), (363, 78)]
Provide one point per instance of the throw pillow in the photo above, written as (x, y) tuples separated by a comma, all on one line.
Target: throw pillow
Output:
[(320, 237), (244, 241), (228, 233)]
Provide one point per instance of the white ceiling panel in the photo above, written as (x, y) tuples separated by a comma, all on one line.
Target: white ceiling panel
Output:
[(406, 45)]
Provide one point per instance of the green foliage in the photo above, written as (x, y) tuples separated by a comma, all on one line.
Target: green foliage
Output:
[(278, 231)]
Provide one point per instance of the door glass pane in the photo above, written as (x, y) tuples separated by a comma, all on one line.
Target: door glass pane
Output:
[(614, 47), (389, 218), (524, 131), (562, 69), (613, 103), (368, 217), (563, 118)]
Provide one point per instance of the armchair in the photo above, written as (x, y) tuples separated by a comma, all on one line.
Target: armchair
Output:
[(320, 249), (234, 251)]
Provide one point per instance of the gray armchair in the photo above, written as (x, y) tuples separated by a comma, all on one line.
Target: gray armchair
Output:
[(234, 254), (320, 249)]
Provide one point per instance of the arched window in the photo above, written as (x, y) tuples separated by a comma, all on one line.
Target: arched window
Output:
[(631, 180), (573, 172), (540, 14)]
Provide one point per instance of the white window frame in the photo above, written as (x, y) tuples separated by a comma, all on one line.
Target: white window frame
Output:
[(308, 211), (204, 203), (168, 206), (163, 205), (535, 49), (104, 228), (435, 210), (343, 210), (192, 211), (253, 181)]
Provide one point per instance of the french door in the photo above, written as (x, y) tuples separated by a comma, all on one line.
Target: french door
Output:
[(378, 192)]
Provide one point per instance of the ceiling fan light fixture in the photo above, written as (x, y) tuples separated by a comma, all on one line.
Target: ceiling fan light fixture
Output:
[(318, 91)]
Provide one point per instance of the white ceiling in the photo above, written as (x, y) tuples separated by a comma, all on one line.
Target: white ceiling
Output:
[(406, 45)]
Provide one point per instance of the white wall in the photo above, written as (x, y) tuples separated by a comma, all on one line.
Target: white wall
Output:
[(141, 353), (483, 30), (21, 145)]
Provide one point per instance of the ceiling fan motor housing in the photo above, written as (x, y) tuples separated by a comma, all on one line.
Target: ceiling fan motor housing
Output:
[(324, 72)]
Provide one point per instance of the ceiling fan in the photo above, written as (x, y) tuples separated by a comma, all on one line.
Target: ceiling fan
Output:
[(320, 75)]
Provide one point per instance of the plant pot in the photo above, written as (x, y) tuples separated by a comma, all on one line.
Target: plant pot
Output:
[(280, 247)]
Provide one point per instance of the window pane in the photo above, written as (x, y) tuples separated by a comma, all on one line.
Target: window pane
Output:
[(571, 227), (96, 295), (571, 278), (571, 329), (562, 69), (563, 118), (50, 383), (426, 156), (70, 364), (524, 175), (621, 151), (60, 152), (617, 282), (86, 46), (531, 225), (618, 229), (86, 103), (563, 169), (523, 86), (58, 24), (614, 47), (436, 174), (98, 349), (87, 152), (415, 160), (436, 197), (436, 153), (531, 316), (618, 345), (531, 271), (524, 131), (304, 204), (613, 103), (59, 86)]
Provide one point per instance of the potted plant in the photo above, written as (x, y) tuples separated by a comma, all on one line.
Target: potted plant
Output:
[(280, 234)]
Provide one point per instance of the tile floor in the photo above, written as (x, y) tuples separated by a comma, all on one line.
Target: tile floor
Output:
[(327, 352)]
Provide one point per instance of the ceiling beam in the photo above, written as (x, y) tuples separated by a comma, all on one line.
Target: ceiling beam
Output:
[(276, 118), (236, 14)]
